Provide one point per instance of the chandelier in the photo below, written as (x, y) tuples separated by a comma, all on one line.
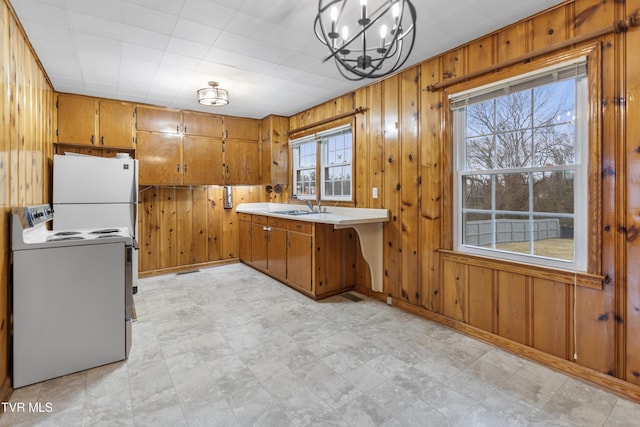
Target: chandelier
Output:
[(213, 95), (381, 41)]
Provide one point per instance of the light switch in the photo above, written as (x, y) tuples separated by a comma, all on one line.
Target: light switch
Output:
[(374, 192)]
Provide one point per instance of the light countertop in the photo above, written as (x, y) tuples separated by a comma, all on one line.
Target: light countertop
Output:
[(338, 216)]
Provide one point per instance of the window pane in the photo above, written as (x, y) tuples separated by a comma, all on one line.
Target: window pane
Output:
[(478, 229), (514, 111), (513, 149), (480, 118), (553, 102), (512, 192), (479, 153), (555, 145), (476, 192), (553, 238), (513, 233), (553, 191)]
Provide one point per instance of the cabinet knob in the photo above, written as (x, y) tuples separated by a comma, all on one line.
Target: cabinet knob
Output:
[(177, 128), (178, 167), (102, 140), (93, 139), (185, 168)]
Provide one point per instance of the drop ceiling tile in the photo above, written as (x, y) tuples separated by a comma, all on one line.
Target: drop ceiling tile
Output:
[(187, 48), (92, 25), (196, 32), (42, 12), (207, 12), (135, 71), (112, 10), (61, 35), (149, 19), (140, 36), (99, 45), (97, 64), (179, 61), (142, 53), (172, 7)]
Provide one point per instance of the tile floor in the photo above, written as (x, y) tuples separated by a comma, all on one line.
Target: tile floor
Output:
[(228, 346)]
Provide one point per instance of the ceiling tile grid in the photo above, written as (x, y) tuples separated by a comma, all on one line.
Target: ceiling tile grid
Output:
[(264, 53)]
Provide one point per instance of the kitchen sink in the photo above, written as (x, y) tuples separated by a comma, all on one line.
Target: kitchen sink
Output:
[(294, 212)]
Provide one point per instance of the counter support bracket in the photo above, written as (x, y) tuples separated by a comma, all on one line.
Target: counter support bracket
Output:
[(371, 241)]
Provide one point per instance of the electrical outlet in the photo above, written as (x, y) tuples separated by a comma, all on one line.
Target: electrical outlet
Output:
[(390, 300), (374, 192)]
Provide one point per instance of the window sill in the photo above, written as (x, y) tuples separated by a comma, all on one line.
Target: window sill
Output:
[(587, 280)]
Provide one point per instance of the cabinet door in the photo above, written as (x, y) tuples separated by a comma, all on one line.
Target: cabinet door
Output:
[(202, 160), (77, 119), (259, 246), (159, 157), (154, 119), (274, 150), (242, 162), (116, 124), (244, 241), (202, 124), (299, 252), (277, 252), (241, 128)]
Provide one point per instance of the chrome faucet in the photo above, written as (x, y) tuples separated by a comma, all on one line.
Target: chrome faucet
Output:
[(305, 201)]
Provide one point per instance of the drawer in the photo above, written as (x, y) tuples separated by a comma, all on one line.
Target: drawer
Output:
[(301, 226), (260, 219), (277, 222), (245, 217)]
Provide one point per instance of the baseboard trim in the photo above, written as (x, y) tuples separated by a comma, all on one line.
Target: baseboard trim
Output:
[(181, 268), (5, 391)]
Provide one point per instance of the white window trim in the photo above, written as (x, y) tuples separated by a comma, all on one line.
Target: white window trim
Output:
[(321, 138), (581, 183)]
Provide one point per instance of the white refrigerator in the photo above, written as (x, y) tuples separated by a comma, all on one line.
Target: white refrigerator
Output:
[(96, 192)]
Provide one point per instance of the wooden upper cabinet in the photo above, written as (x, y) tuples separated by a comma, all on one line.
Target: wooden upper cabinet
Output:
[(160, 158), (241, 162), (202, 124), (155, 119), (274, 149), (241, 128), (116, 124), (83, 120), (202, 160), (77, 119)]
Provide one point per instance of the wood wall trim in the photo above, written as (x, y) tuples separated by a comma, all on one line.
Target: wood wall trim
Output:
[(615, 385), (619, 26), (185, 268), (5, 391), (587, 280), (359, 110)]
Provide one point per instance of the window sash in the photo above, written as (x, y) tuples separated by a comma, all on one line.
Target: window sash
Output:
[(322, 166), (573, 70)]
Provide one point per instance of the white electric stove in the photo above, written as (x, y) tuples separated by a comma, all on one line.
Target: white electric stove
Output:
[(72, 296)]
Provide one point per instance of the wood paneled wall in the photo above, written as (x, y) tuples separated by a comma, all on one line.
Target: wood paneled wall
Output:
[(404, 148), (186, 227), (26, 141)]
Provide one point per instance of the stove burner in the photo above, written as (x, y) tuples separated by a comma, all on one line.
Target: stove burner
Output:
[(66, 233), (106, 231), (58, 239)]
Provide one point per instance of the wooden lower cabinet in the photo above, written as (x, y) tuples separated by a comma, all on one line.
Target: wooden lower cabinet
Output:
[(244, 238), (299, 250), (301, 254)]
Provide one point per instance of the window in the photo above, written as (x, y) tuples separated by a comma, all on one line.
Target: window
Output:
[(521, 168), (334, 148)]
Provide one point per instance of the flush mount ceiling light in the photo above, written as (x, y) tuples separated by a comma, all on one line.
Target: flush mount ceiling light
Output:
[(213, 95), (381, 41)]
